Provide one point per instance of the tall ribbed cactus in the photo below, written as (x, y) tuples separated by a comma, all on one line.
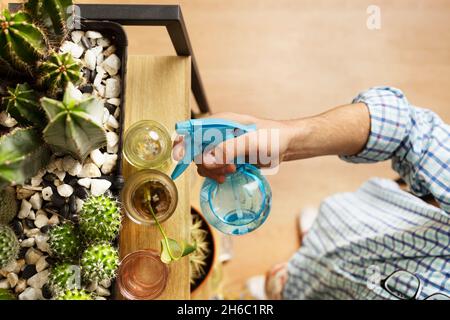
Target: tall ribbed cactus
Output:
[(22, 154), (58, 70), (54, 14), (22, 43), (23, 105), (75, 127)]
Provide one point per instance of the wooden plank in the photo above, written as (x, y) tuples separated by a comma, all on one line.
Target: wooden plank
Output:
[(158, 88)]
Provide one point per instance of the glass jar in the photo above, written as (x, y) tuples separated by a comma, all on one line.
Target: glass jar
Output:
[(147, 144), (142, 275), (164, 196)]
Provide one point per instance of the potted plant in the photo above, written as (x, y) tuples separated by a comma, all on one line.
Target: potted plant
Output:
[(62, 96)]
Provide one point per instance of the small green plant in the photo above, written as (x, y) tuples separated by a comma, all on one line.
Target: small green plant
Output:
[(8, 205), (64, 276), (100, 218), (6, 294), (64, 241), (9, 246), (75, 127), (171, 250), (75, 294), (99, 262), (58, 70), (199, 235), (22, 104)]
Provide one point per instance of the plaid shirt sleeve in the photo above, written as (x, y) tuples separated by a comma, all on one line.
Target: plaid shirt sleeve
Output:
[(416, 139)]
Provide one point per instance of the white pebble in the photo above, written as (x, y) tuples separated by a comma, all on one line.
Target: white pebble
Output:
[(76, 36), (94, 35), (112, 122), (54, 220), (109, 164), (39, 279), (24, 209), (36, 201), (112, 89), (32, 232), (6, 120), (112, 139), (12, 279), (74, 49), (27, 243), (42, 242), (114, 101), (47, 193), (60, 174), (21, 286), (4, 284), (110, 50), (90, 170), (32, 215), (100, 90), (41, 264), (97, 50), (36, 181), (105, 115), (79, 203), (100, 59), (104, 42), (111, 64), (90, 59), (85, 182), (41, 220), (65, 190), (113, 149), (117, 113), (10, 267), (99, 186), (31, 294), (32, 256), (97, 157), (103, 292)]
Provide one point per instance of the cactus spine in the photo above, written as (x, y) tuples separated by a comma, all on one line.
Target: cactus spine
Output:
[(58, 70), (64, 276), (64, 241), (22, 42), (9, 246), (75, 127), (23, 105), (8, 205), (22, 154), (74, 294), (100, 218), (99, 262)]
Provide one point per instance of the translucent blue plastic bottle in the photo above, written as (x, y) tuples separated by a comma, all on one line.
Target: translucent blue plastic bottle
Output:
[(242, 203)]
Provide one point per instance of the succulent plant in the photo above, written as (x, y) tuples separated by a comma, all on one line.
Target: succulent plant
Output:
[(64, 241), (6, 294), (100, 218), (53, 14), (22, 42), (99, 262), (75, 127), (58, 70), (9, 245), (64, 276), (74, 294), (23, 105), (197, 260), (8, 205), (22, 154)]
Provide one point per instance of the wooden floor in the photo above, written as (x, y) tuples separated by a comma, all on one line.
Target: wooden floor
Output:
[(292, 58)]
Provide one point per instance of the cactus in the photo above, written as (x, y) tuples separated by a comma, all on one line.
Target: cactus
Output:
[(99, 262), (53, 14), (23, 105), (100, 218), (198, 258), (58, 70), (74, 294), (8, 205), (75, 127), (9, 246), (22, 42), (6, 294), (22, 154), (64, 241), (64, 276)]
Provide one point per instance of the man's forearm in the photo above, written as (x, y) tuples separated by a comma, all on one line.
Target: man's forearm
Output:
[(341, 131)]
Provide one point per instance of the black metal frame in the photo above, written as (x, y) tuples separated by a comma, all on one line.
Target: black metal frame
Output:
[(168, 16)]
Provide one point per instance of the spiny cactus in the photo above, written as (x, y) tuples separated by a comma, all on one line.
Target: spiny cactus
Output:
[(75, 127), (22, 154), (100, 218), (8, 205), (22, 42), (198, 258), (58, 70), (6, 294), (64, 276), (99, 262), (54, 14), (23, 105), (74, 294), (64, 241), (9, 246)]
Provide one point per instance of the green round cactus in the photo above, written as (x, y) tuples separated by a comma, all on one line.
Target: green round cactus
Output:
[(99, 262), (58, 70), (22, 42), (74, 294), (75, 127), (100, 218), (8, 205), (23, 105), (64, 276), (64, 241), (9, 246), (6, 294)]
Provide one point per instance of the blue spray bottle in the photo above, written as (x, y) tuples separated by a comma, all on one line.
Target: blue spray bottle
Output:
[(242, 203)]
